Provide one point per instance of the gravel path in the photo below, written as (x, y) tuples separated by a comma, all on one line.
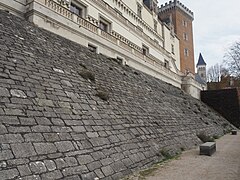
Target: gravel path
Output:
[(222, 165)]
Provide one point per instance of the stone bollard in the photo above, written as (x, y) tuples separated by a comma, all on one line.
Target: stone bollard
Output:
[(208, 148), (234, 132)]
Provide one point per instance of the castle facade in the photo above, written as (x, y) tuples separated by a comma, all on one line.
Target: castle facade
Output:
[(157, 41)]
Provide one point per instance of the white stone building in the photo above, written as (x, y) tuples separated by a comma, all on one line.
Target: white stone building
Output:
[(129, 30)]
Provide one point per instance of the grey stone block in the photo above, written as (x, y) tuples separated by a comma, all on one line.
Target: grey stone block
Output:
[(3, 164), (33, 177), (52, 175), (71, 161), (18, 93), (75, 170), (94, 165), (14, 112), (64, 146), (24, 170), (79, 129), (4, 92), (88, 176), (9, 174), (3, 129), (51, 137), (85, 159), (45, 148), (234, 132), (11, 138), (107, 170), (33, 137), (45, 102), (38, 167), (21, 150), (208, 148), (92, 134), (27, 121), (5, 155), (50, 165), (75, 177), (10, 120)]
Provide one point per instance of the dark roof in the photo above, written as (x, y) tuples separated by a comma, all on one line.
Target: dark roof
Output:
[(201, 60), (199, 79)]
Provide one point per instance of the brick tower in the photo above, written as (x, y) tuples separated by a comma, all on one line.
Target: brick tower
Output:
[(180, 17)]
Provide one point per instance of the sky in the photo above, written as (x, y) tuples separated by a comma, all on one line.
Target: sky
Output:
[(216, 26)]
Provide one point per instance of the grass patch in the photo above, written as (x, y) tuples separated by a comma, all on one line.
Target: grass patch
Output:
[(182, 149), (141, 175), (87, 75), (165, 153), (205, 138), (102, 94)]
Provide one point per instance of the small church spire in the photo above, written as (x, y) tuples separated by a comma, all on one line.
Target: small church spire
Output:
[(201, 61), (201, 68)]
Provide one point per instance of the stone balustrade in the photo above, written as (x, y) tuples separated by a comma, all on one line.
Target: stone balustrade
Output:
[(114, 37)]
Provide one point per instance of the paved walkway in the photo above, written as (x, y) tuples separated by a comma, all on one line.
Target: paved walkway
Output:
[(223, 165)]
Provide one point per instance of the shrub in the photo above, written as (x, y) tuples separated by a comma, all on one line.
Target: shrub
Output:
[(182, 149), (87, 75), (166, 154), (205, 138), (103, 94)]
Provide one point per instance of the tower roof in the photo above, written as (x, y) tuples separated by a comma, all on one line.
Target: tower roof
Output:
[(201, 61)]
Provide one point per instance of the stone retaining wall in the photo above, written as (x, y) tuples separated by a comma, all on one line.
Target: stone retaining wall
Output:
[(68, 113)]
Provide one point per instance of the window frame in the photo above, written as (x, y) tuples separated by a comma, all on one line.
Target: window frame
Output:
[(145, 50), (184, 23), (139, 10), (80, 6), (166, 64), (186, 52), (185, 36), (173, 48), (92, 48), (106, 23), (155, 24)]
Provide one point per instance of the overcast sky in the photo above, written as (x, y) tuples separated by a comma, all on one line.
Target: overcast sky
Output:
[(216, 27)]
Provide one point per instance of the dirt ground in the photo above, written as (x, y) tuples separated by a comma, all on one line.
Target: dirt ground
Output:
[(224, 164)]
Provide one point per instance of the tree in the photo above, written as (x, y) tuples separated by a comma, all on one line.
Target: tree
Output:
[(214, 73), (232, 59)]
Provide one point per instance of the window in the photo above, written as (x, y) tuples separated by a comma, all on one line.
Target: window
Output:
[(145, 50), (166, 64), (155, 25), (154, 7), (184, 23), (172, 49), (78, 9), (185, 36), (92, 48), (186, 52), (104, 25), (139, 10)]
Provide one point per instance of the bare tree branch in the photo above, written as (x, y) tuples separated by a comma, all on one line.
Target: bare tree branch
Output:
[(232, 59)]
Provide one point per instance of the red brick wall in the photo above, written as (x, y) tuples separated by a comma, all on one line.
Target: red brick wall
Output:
[(186, 62)]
